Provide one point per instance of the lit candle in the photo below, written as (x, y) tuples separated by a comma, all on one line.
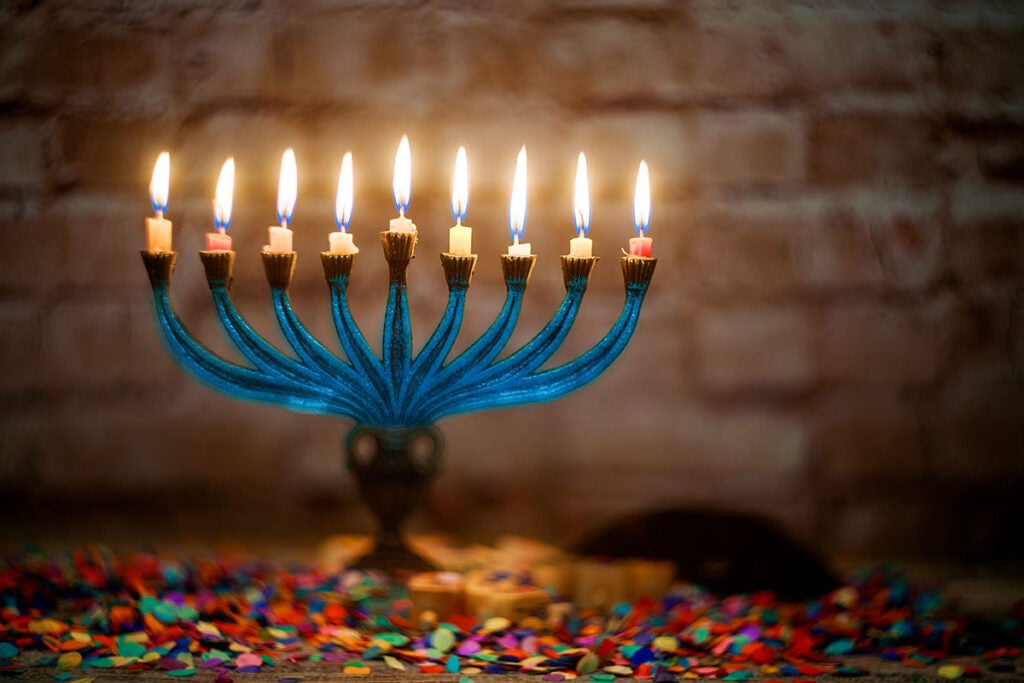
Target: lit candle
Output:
[(158, 228), (280, 237), (220, 240), (517, 208), (581, 245), (460, 237), (641, 245), (402, 187), (341, 241)]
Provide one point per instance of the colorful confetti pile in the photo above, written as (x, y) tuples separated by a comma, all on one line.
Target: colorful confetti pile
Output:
[(94, 609)]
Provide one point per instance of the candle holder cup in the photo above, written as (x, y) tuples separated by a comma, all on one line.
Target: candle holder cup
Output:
[(394, 398)]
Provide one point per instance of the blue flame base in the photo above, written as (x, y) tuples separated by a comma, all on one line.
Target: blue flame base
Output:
[(395, 397)]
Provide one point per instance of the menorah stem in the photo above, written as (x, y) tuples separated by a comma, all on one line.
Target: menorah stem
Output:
[(397, 342)]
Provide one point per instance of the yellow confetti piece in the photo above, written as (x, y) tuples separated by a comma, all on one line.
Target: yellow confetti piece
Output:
[(950, 671), (497, 624), (81, 636), (150, 657), (770, 669), (122, 661), (47, 627), (70, 660), (394, 663), (666, 643), (238, 647), (136, 637), (207, 628)]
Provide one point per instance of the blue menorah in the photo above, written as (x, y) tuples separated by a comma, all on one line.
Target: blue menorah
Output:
[(394, 398)]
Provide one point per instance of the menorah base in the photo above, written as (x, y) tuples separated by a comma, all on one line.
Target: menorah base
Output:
[(393, 468), (393, 557)]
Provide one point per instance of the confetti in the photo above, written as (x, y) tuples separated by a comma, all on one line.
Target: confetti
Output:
[(231, 618)]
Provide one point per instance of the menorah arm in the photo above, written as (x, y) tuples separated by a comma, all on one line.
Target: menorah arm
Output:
[(458, 270), (337, 269), (218, 266), (516, 270), (551, 384), (576, 272), (214, 371), (331, 372)]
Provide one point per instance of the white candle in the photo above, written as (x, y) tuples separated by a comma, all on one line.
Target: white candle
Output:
[(341, 241), (460, 237), (581, 245), (517, 208), (158, 228), (641, 245), (279, 237), (222, 201), (402, 187)]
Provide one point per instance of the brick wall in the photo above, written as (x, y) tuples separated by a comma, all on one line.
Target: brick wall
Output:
[(834, 338)]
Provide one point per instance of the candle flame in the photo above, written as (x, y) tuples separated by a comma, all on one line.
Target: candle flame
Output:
[(581, 209), (223, 197), (287, 188), (402, 184), (517, 206), (460, 187), (343, 204), (642, 200), (159, 183)]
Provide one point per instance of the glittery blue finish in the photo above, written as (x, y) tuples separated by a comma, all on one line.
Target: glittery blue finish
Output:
[(397, 390)]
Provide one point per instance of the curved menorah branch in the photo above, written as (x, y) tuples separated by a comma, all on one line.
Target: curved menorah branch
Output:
[(552, 384), (336, 376), (396, 346), (516, 271), (458, 271), (259, 352), (576, 274), (337, 270), (214, 371)]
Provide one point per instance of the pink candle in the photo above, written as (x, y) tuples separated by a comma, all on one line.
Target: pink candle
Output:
[(641, 244), (218, 241), (279, 237)]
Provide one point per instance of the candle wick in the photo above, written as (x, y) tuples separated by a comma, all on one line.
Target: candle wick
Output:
[(401, 212), (159, 213), (221, 229)]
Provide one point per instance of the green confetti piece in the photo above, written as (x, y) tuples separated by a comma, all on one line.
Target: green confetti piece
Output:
[(63, 676), (101, 663), (182, 673), (130, 649), (164, 613), (741, 675), (453, 664), (588, 664), (8, 650), (395, 639), (442, 639), (466, 679)]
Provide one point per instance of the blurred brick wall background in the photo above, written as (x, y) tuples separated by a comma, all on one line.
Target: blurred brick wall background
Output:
[(834, 337)]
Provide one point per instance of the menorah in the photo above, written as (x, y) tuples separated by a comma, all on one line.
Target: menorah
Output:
[(394, 398)]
